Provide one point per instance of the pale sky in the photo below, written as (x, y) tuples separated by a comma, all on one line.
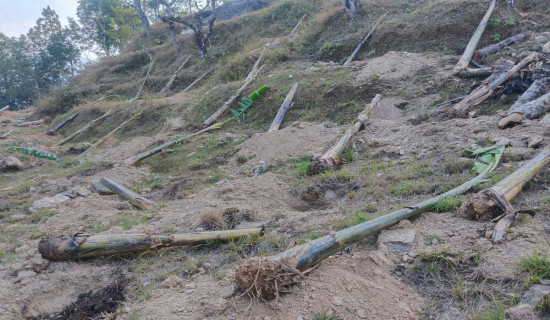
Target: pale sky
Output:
[(18, 16)]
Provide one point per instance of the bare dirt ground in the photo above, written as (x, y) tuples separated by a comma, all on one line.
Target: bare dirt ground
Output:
[(362, 282)]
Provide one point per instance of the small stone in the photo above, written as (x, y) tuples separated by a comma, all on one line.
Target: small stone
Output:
[(397, 240), (488, 234), (482, 245), (39, 264), (405, 258), (404, 307), (98, 187), (502, 141), (83, 192), (70, 193), (404, 224), (362, 313), (24, 275), (260, 170), (337, 301), (171, 281), (520, 312), (22, 249), (535, 294), (227, 292), (413, 254), (199, 229), (145, 191), (451, 137), (545, 120), (544, 281), (517, 143), (534, 141), (10, 163), (190, 286), (220, 160), (435, 241), (330, 124)]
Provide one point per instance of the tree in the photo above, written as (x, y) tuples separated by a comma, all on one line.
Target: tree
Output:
[(352, 7), (106, 23), (140, 6), (196, 21)]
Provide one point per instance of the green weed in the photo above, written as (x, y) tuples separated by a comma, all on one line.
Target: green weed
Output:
[(356, 218), (535, 268), (448, 204)]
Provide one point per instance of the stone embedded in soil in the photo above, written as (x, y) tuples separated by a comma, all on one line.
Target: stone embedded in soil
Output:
[(545, 120), (25, 274), (397, 240), (83, 192), (330, 124), (98, 187), (48, 202), (482, 245), (70, 194), (502, 141), (534, 141), (521, 312), (10, 163), (362, 313), (337, 301), (171, 281), (535, 294)]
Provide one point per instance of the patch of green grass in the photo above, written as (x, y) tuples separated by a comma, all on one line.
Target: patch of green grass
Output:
[(341, 175), (534, 268), (430, 239), (448, 51), (356, 218), (302, 168), (241, 159), (493, 312), (327, 315), (371, 53), (216, 176), (348, 155), (311, 235), (458, 165), (509, 23), (7, 258), (493, 23), (41, 215), (151, 182), (145, 292), (448, 204), (495, 37), (410, 188)]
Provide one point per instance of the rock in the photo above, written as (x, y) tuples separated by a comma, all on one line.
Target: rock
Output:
[(10, 163), (482, 245), (452, 314), (48, 202), (535, 294), (227, 292), (220, 160), (38, 264), (517, 143), (502, 141), (362, 313), (331, 195), (98, 187), (513, 118), (413, 254), (435, 241), (83, 192), (15, 268), (451, 137), (337, 301), (25, 274), (397, 240), (260, 169), (520, 312), (171, 281), (251, 225), (70, 193), (22, 250), (534, 141), (542, 281), (330, 124), (545, 120), (404, 224)]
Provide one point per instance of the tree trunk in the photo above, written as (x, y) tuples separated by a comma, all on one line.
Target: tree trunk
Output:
[(332, 157), (352, 7), (469, 51), (464, 108), (172, 31), (4, 109), (54, 130), (297, 25), (476, 73), (86, 127), (197, 80), (132, 197), (173, 77), (251, 76), (266, 277), (504, 43), (527, 105), (81, 245), (31, 123), (100, 141), (284, 108), (142, 17), (5, 135), (356, 51), (151, 63), (494, 202)]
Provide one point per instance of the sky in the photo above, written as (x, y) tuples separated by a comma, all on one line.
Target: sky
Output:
[(18, 16)]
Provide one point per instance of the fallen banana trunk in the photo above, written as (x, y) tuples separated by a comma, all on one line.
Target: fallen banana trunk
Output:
[(32, 123), (124, 124), (86, 127), (287, 104), (266, 277), (4, 109), (82, 245), (470, 49), (297, 25), (54, 130), (528, 105), (499, 46), (173, 77), (5, 135), (333, 157), (151, 64), (132, 197), (251, 76), (362, 43), (494, 203), (135, 159), (483, 92)]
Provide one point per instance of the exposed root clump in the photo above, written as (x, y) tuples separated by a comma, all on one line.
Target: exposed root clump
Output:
[(480, 206), (264, 279)]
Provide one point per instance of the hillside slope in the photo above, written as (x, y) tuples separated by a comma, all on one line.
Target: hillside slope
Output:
[(241, 174)]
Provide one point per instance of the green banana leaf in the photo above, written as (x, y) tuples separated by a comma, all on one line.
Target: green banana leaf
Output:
[(488, 156), (35, 153)]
